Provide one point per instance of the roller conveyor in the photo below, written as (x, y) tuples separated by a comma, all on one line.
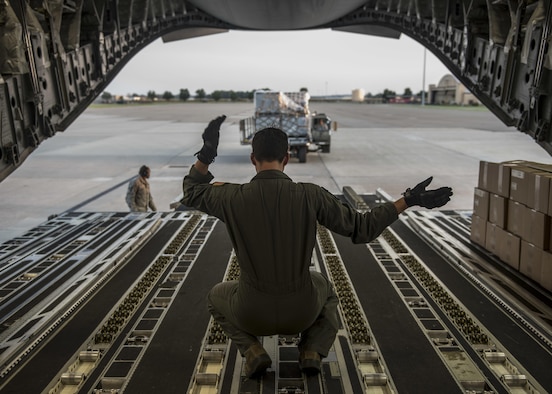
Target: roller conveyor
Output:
[(518, 328), (422, 310)]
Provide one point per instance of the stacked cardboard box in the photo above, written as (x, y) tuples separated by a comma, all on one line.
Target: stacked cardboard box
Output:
[(512, 210)]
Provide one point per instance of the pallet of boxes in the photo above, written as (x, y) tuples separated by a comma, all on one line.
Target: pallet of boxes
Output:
[(512, 216)]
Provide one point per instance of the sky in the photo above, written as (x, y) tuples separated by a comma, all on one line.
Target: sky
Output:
[(324, 61)]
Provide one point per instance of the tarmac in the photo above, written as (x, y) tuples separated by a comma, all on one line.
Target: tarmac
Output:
[(392, 147)]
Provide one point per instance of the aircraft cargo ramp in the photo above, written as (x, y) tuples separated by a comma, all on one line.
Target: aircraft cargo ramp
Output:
[(112, 302)]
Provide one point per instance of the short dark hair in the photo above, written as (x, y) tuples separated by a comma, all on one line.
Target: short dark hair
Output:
[(143, 170), (270, 144)]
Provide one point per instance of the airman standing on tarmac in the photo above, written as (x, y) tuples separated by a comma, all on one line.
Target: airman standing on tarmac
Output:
[(138, 197)]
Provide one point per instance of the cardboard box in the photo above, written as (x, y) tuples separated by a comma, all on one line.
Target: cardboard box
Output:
[(538, 191), (516, 212), (492, 238), (550, 199), (519, 184), (530, 187), (483, 175), (498, 210), (481, 203), (509, 250), (478, 230), (495, 177), (546, 271), (530, 262), (538, 166), (536, 228), (539, 184)]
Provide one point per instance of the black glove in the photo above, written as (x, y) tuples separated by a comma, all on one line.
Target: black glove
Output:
[(427, 198), (210, 137)]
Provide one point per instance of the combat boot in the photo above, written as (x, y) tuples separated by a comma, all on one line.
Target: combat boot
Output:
[(257, 360), (309, 362)]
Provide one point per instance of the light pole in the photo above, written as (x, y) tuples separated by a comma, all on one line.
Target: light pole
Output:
[(423, 78)]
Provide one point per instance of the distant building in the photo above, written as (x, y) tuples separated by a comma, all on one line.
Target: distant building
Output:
[(358, 96), (451, 92)]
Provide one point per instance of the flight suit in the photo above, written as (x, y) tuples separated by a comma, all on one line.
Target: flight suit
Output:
[(272, 224)]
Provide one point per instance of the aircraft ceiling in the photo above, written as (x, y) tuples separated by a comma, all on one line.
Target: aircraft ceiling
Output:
[(57, 56), (278, 15)]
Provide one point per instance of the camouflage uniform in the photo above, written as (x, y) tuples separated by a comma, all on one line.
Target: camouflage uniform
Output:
[(140, 196)]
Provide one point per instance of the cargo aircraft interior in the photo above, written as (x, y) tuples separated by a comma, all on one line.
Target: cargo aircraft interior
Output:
[(112, 302)]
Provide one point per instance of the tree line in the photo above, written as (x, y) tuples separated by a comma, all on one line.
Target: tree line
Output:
[(230, 95), (185, 95)]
